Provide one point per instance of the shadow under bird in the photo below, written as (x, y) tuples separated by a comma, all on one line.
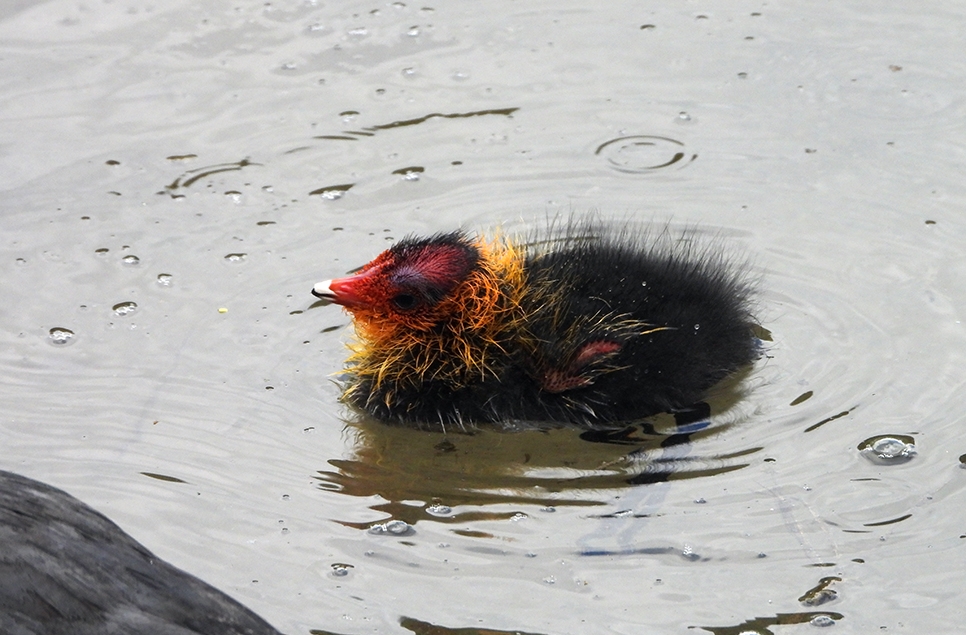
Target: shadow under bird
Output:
[(591, 325), (66, 569)]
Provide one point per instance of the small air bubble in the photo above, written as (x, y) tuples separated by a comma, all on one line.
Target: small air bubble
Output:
[(340, 570), (102, 251), (413, 31), (393, 527), (60, 336), (165, 279), (822, 621), (124, 308), (438, 509), (889, 449), (131, 260), (21, 261), (236, 258)]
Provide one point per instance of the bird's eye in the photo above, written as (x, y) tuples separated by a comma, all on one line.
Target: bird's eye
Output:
[(405, 302)]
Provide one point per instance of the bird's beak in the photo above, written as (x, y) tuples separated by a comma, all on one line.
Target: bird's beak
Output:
[(342, 291)]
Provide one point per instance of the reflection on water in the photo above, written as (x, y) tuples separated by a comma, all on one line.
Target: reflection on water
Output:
[(448, 477)]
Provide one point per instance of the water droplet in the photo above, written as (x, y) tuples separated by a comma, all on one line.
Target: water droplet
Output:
[(697, 326), (124, 308), (550, 579), (438, 509), (21, 261), (60, 336), (340, 569), (102, 251), (889, 448), (742, 75), (411, 173), (236, 258), (332, 192), (822, 621), (409, 71), (359, 31), (683, 116), (548, 509), (398, 527), (393, 527), (131, 260), (288, 66), (165, 279), (413, 31), (517, 517)]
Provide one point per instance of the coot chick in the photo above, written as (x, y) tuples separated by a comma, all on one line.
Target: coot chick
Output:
[(67, 569), (591, 326)]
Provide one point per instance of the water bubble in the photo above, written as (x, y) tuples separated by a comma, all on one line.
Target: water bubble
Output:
[(684, 117), (889, 448), (131, 260), (332, 192), (822, 621), (393, 527), (165, 279), (236, 258), (60, 336), (102, 251), (340, 569), (124, 308), (438, 509), (413, 31), (411, 173), (21, 261)]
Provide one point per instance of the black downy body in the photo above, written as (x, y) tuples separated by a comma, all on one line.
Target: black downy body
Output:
[(620, 327)]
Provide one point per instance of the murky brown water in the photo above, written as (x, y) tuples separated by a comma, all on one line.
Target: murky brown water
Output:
[(178, 175)]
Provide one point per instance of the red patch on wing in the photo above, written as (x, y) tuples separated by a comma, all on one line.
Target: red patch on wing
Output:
[(558, 380)]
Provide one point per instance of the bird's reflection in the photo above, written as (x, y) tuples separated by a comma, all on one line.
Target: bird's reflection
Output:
[(454, 477)]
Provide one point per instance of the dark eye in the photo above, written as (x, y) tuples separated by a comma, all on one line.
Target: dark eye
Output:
[(405, 302)]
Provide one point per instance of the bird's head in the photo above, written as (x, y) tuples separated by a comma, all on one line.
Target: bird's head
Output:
[(414, 284)]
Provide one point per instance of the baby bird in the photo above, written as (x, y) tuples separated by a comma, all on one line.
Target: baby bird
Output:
[(593, 327)]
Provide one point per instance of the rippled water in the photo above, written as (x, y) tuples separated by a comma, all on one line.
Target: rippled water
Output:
[(178, 175)]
